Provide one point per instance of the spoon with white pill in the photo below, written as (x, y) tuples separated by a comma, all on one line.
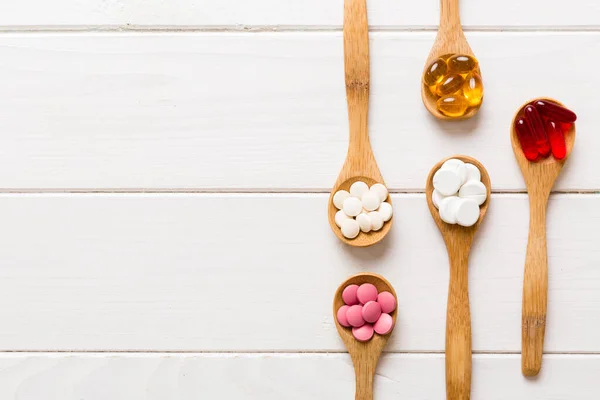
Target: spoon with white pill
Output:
[(458, 241), (365, 355), (540, 171), (360, 164)]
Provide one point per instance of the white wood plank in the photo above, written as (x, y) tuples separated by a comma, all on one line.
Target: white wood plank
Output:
[(281, 376), (222, 13), (258, 272), (266, 111)]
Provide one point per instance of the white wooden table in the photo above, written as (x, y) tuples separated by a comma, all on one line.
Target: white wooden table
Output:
[(155, 154)]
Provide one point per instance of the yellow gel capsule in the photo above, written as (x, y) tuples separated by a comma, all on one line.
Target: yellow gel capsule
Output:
[(461, 64), (450, 84), (452, 106), (473, 89), (435, 72)]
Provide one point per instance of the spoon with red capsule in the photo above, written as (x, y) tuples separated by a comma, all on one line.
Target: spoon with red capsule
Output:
[(542, 136)]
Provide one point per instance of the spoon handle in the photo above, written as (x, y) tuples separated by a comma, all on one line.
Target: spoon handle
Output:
[(357, 71), (365, 375), (535, 287), (458, 327), (450, 16)]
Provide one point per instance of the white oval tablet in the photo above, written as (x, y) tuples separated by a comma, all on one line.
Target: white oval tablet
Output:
[(474, 190), (370, 201), (473, 173), (381, 191), (339, 197), (364, 222), (358, 188), (448, 209), (340, 216), (457, 166), (386, 211), (446, 181), (350, 228), (467, 212), (352, 206), (376, 220), (437, 197)]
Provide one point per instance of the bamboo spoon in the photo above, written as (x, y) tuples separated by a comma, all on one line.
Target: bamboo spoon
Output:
[(458, 241), (365, 355), (450, 39), (539, 179), (360, 164)]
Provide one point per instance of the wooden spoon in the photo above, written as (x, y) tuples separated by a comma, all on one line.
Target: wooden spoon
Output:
[(458, 241), (450, 40), (539, 179), (365, 355), (360, 164)]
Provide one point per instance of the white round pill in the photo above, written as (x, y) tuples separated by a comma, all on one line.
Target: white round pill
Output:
[(364, 222), (451, 163), (352, 206), (350, 228), (381, 191), (340, 216), (358, 188), (457, 166), (467, 212), (473, 173), (474, 190), (376, 220), (437, 197), (446, 181), (448, 209), (339, 197), (386, 211), (370, 201)]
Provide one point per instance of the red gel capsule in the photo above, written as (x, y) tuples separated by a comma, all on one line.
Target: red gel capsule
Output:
[(557, 140), (555, 112), (536, 127), (526, 139)]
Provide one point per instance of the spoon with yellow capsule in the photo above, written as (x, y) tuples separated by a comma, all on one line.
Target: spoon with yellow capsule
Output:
[(451, 87)]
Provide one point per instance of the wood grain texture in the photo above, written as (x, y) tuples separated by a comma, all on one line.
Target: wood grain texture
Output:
[(239, 111), (142, 272), (458, 240), (267, 377), (365, 356), (360, 164), (286, 13), (539, 179)]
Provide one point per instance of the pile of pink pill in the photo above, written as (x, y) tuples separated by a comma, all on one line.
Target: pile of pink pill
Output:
[(366, 311)]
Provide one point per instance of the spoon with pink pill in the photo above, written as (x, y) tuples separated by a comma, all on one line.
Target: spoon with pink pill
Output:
[(458, 241), (365, 309)]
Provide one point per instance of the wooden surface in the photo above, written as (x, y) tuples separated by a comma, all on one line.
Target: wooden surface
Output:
[(539, 178), (365, 355), (458, 240), (235, 112)]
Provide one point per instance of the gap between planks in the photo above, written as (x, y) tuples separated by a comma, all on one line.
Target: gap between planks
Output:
[(275, 29), (266, 352), (244, 191)]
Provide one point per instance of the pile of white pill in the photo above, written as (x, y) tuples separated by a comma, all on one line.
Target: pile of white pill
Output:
[(458, 192), (362, 209)]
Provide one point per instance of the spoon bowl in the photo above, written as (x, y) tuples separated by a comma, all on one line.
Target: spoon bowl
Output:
[(539, 178), (363, 239), (450, 39), (458, 240), (365, 355)]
